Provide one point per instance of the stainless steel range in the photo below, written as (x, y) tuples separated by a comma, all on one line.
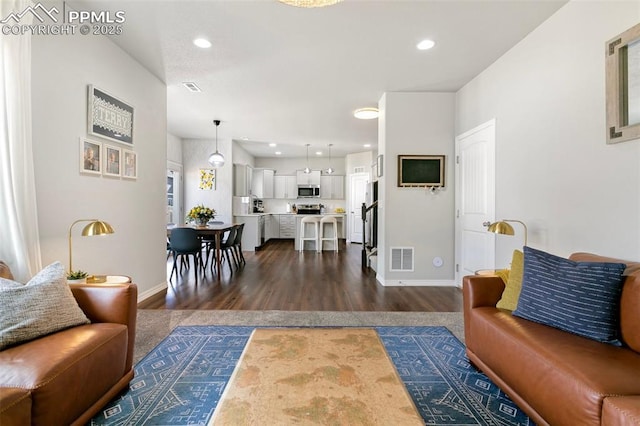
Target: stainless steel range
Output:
[(309, 208)]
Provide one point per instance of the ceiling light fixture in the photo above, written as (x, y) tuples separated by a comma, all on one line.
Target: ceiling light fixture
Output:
[(278, 153), (272, 145), (425, 44), (216, 159), (307, 170), (366, 113), (202, 43), (310, 3), (192, 86), (330, 169)]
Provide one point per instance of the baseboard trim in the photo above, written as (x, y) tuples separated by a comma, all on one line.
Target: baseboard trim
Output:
[(415, 283), (152, 292)]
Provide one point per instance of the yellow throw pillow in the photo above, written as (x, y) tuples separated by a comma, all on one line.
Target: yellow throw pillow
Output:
[(511, 291), (504, 274)]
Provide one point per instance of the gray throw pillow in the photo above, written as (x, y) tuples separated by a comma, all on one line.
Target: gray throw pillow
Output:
[(42, 306)]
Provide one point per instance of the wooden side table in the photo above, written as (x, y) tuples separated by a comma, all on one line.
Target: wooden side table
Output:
[(108, 279)]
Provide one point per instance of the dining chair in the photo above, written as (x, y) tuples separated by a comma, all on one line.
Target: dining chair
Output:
[(184, 242), (237, 244), (226, 246)]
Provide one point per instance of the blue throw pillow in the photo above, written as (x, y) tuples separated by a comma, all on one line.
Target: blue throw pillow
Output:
[(579, 297)]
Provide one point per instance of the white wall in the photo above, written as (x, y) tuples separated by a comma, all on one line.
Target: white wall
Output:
[(174, 148), (62, 67), (420, 124), (195, 155), (554, 170)]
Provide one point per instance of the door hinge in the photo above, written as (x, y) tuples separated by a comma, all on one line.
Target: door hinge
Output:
[(458, 214), (457, 159), (457, 267)]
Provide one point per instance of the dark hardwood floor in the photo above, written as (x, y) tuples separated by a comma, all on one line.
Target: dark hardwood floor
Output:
[(279, 278)]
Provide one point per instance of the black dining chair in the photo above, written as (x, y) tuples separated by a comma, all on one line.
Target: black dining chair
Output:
[(184, 242), (226, 245), (237, 244)]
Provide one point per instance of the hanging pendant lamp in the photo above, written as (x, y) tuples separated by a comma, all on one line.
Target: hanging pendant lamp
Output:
[(330, 169), (216, 159), (307, 170)]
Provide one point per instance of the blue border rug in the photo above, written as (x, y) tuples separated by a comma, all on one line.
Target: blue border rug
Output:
[(181, 380)]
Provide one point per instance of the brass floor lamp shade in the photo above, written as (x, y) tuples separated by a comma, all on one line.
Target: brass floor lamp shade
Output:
[(502, 227), (95, 227)]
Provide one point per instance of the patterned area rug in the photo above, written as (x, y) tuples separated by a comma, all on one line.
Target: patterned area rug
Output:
[(181, 380)]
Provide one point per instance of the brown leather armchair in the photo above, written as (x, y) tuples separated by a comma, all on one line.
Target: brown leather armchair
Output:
[(65, 378)]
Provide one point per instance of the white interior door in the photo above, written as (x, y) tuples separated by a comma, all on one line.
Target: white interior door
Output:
[(475, 199), (358, 195)]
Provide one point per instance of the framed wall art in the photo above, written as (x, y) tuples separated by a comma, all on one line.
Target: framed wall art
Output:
[(129, 164), (90, 152), (207, 179), (112, 158), (623, 86), (109, 117)]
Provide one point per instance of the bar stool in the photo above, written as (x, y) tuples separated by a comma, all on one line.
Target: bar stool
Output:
[(315, 221), (333, 236)]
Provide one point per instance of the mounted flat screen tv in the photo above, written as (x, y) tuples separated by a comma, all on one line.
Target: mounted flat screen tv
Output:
[(421, 170)]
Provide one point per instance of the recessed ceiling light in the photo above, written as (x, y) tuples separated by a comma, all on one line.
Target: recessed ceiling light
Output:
[(367, 145), (366, 113), (426, 44), (272, 145), (202, 43), (245, 138), (318, 152), (278, 153)]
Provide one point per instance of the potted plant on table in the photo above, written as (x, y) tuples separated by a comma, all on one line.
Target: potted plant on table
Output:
[(77, 277), (201, 215)]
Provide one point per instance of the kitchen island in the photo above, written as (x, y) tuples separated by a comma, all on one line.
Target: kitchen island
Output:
[(261, 227)]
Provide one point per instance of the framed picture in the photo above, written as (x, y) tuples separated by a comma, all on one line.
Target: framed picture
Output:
[(109, 117), (623, 86), (129, 164), (90, 152), (112, 158), (207, 179)]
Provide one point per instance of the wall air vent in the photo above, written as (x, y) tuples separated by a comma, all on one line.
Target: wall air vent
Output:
[(401, 259), (191, 86), (359, 169)]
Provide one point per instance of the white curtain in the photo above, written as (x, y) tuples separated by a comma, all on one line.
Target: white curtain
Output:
[(19, 238)]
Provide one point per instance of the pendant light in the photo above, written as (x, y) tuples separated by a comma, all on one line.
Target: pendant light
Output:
[(216, 159), (307, 170), (330, 169)]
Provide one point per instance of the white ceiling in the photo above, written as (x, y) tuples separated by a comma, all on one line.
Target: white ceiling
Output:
[(291, 76)]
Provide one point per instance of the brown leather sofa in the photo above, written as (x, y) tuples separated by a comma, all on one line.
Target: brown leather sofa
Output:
[(65, 378), (556, 377)]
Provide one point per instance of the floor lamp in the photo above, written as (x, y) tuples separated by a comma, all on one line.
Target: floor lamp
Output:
[(95, 227)]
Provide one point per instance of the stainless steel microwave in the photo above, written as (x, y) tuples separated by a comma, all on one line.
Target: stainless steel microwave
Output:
[(308, 191)]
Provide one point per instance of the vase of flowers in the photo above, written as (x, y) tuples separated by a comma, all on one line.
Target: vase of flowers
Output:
[(201, 215)]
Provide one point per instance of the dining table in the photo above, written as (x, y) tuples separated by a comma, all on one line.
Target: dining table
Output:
[(216, 230)]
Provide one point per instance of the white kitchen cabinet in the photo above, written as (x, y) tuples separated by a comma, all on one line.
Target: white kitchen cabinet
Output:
[(242, 180), (272, 226), (312, 178), (253, 235), (332, 187), (262, 183), (287, 226), (285, 187)]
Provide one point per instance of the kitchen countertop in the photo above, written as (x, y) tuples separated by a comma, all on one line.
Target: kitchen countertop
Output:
[(293, 214)]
